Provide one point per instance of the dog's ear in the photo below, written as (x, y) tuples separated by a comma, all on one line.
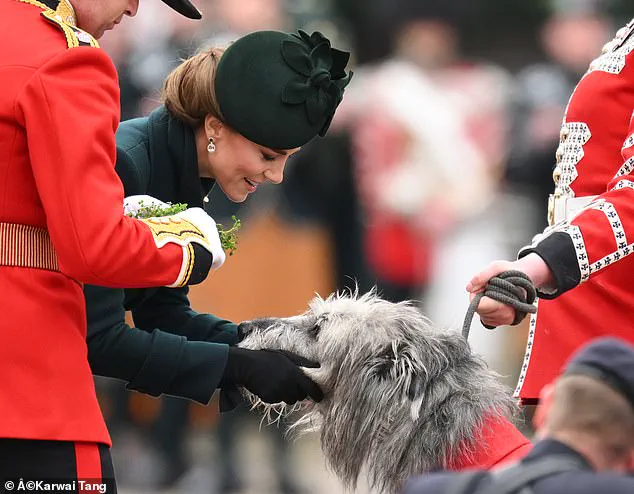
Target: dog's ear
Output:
[(396, 364), (391, 361)]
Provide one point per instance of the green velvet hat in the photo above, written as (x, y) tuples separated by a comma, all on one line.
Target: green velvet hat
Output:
[(280, 90)]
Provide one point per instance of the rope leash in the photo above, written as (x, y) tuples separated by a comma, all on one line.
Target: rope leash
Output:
[(512, 288)]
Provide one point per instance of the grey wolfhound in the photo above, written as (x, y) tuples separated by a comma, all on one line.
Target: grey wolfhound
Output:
[(401, 397)]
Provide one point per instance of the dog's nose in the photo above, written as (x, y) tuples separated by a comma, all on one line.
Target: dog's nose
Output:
[(244, 328), (247, 327)]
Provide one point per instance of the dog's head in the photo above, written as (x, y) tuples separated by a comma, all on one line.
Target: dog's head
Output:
[(346, 333), (401, 396)]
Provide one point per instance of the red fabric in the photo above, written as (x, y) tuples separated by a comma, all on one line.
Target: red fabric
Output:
[(599, 307), (604, 304), (58, 114), (88, 462), (397, 248), (398, 253), (499, 442)]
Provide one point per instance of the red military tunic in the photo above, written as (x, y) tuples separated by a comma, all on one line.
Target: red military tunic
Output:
[(590, 247), (59, 108)]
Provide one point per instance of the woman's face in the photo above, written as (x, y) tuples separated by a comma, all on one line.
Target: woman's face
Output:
[(238, 165)]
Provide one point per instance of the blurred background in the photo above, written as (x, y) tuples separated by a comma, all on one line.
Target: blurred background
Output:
[(439, 160)]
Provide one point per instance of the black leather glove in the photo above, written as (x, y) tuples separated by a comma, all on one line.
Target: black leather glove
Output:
[(272, 375)]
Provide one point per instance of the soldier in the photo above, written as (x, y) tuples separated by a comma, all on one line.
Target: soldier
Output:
[(592, 220), (62, 225), (586, 431)]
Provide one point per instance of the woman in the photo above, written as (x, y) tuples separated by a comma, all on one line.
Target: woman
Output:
[(232, 118)]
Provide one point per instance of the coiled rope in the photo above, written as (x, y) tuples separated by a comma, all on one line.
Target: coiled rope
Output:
[(512, 288)]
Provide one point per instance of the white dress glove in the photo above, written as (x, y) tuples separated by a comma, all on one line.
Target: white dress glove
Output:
[(196, 216), (207, 225)]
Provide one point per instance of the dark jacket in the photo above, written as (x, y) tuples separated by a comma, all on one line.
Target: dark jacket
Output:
[(577, 482), (173, 349)]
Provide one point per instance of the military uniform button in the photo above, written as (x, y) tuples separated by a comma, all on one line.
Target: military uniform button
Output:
[(557, 175)]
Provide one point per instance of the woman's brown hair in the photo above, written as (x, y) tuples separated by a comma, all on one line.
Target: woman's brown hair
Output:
[(188, 91)]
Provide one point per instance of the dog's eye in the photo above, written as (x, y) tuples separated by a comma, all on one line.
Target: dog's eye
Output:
[(314, 330)]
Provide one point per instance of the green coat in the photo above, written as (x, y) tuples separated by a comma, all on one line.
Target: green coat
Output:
[(173, 349)]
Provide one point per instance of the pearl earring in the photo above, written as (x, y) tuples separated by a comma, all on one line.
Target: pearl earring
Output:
[(211, 147)]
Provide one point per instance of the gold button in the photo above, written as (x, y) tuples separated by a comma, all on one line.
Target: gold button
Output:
[(556, 175)]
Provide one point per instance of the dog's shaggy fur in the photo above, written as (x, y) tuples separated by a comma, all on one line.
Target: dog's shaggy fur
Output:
[(401, 397)]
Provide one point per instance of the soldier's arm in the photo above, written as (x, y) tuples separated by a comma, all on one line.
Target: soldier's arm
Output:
[(152, 362), (70, 110)]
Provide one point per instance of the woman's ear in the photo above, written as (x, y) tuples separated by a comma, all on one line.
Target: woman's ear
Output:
[(213, 127)]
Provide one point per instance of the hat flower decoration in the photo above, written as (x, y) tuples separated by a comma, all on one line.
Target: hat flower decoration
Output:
[(321, 77)]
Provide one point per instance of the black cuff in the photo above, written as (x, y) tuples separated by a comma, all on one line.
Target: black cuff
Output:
[(201, 265), (558, 252)]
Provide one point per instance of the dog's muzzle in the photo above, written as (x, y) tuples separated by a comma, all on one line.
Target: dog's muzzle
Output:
[(247, 327)]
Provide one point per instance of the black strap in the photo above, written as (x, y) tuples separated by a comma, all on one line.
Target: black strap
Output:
[(510, 480), (514, 479)]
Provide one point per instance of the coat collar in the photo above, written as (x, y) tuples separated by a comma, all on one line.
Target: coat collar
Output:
[(174, 141), (63, 9), (548, 447)]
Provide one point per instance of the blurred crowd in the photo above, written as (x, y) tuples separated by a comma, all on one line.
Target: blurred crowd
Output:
[(439, 160)]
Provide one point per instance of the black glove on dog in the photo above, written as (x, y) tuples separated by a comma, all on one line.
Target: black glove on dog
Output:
[(272, 375)]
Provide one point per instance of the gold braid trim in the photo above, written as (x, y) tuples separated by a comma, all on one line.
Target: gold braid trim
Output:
[(187, 267), (170, 229), (66, 11), (36, 3), (64, 18), (26, 246)]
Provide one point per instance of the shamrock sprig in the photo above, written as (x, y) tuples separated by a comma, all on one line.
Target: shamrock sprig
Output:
[(228, 237)]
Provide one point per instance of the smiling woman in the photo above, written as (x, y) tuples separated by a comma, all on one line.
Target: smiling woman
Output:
[(254, 105), (234, 118)]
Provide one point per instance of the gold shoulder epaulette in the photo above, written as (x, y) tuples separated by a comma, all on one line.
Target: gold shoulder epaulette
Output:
[(74, 36), (64, 18)]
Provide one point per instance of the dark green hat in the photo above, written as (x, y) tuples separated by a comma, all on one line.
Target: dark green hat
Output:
[(280, 90)]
